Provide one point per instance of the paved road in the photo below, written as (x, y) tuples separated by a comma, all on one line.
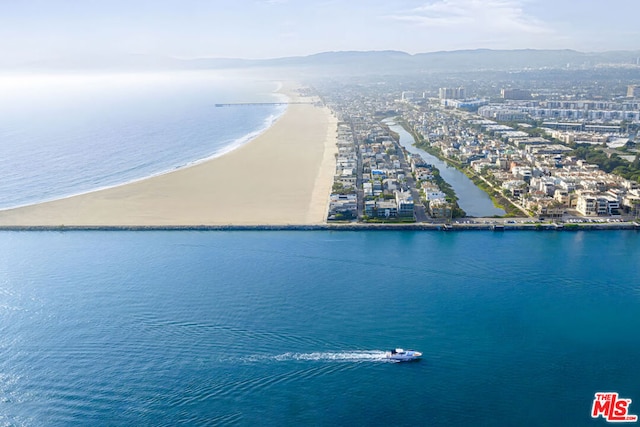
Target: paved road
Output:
[(419, 210)]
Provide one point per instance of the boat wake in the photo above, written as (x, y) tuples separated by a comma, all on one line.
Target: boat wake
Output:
[(343, 356)]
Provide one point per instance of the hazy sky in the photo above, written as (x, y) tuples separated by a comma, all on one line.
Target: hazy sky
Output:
[(38, 29)]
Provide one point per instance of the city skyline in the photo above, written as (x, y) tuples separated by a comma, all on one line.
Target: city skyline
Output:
[(36, 30)]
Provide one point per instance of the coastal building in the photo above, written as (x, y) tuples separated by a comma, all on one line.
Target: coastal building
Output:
[(440, 208), (515, 94), (465, 104), (538, 172), (417, 162), (370, 208), (452, 93), (424, 174), (390, 184), (611, 203), (367, 188), (405, 204), (562, 196), (381, 209), (631, 203), (550, 208), (377, 187), (502, 113), (481, 164), (522, 172), (348, 177), (579, 114), (342, 206), (515, 187), (432, 192), (587, 204)]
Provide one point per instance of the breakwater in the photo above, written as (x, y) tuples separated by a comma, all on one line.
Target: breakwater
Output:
[(334, 227)]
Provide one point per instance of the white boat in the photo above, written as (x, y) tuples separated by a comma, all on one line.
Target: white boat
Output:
[(401, 355)]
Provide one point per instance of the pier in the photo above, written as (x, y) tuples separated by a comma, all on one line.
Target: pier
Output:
[(235, 104)]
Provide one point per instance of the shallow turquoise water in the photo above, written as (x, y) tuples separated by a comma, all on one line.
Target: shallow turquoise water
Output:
[(288, 328)]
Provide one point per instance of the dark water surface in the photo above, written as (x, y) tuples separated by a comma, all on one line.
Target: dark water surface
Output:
[(289, 328)]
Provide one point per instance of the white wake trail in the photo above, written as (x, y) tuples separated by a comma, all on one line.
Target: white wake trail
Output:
[(343, 356)]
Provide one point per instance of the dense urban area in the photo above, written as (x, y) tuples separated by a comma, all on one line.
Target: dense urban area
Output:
[(548, 146)]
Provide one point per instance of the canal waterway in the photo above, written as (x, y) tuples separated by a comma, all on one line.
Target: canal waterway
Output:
[(471, 199)]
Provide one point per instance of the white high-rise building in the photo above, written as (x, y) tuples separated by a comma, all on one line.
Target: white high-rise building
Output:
[(452, 93)]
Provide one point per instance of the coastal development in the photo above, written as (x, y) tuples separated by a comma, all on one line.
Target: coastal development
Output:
[(545, 157), (296, 213), (547, 154)]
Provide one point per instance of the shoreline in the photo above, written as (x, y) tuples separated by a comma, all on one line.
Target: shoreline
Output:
[(283, 175), (235, 145)]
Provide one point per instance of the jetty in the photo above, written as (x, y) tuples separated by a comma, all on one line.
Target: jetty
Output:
[(346, 226)]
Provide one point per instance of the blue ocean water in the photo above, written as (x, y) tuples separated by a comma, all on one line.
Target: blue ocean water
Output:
[(288, 328), (62, 135)]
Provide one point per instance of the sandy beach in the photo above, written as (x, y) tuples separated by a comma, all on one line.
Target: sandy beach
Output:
[(283, 176)]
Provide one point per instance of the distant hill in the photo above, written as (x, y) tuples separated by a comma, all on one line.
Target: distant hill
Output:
[(464, 60), (363, 62), (346, 61), (459, 60), (486, 59)]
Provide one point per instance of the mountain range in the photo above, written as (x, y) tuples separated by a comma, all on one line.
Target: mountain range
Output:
[(355, 62)]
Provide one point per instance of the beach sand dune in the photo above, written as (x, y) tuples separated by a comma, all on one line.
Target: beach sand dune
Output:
[(283, 176)]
